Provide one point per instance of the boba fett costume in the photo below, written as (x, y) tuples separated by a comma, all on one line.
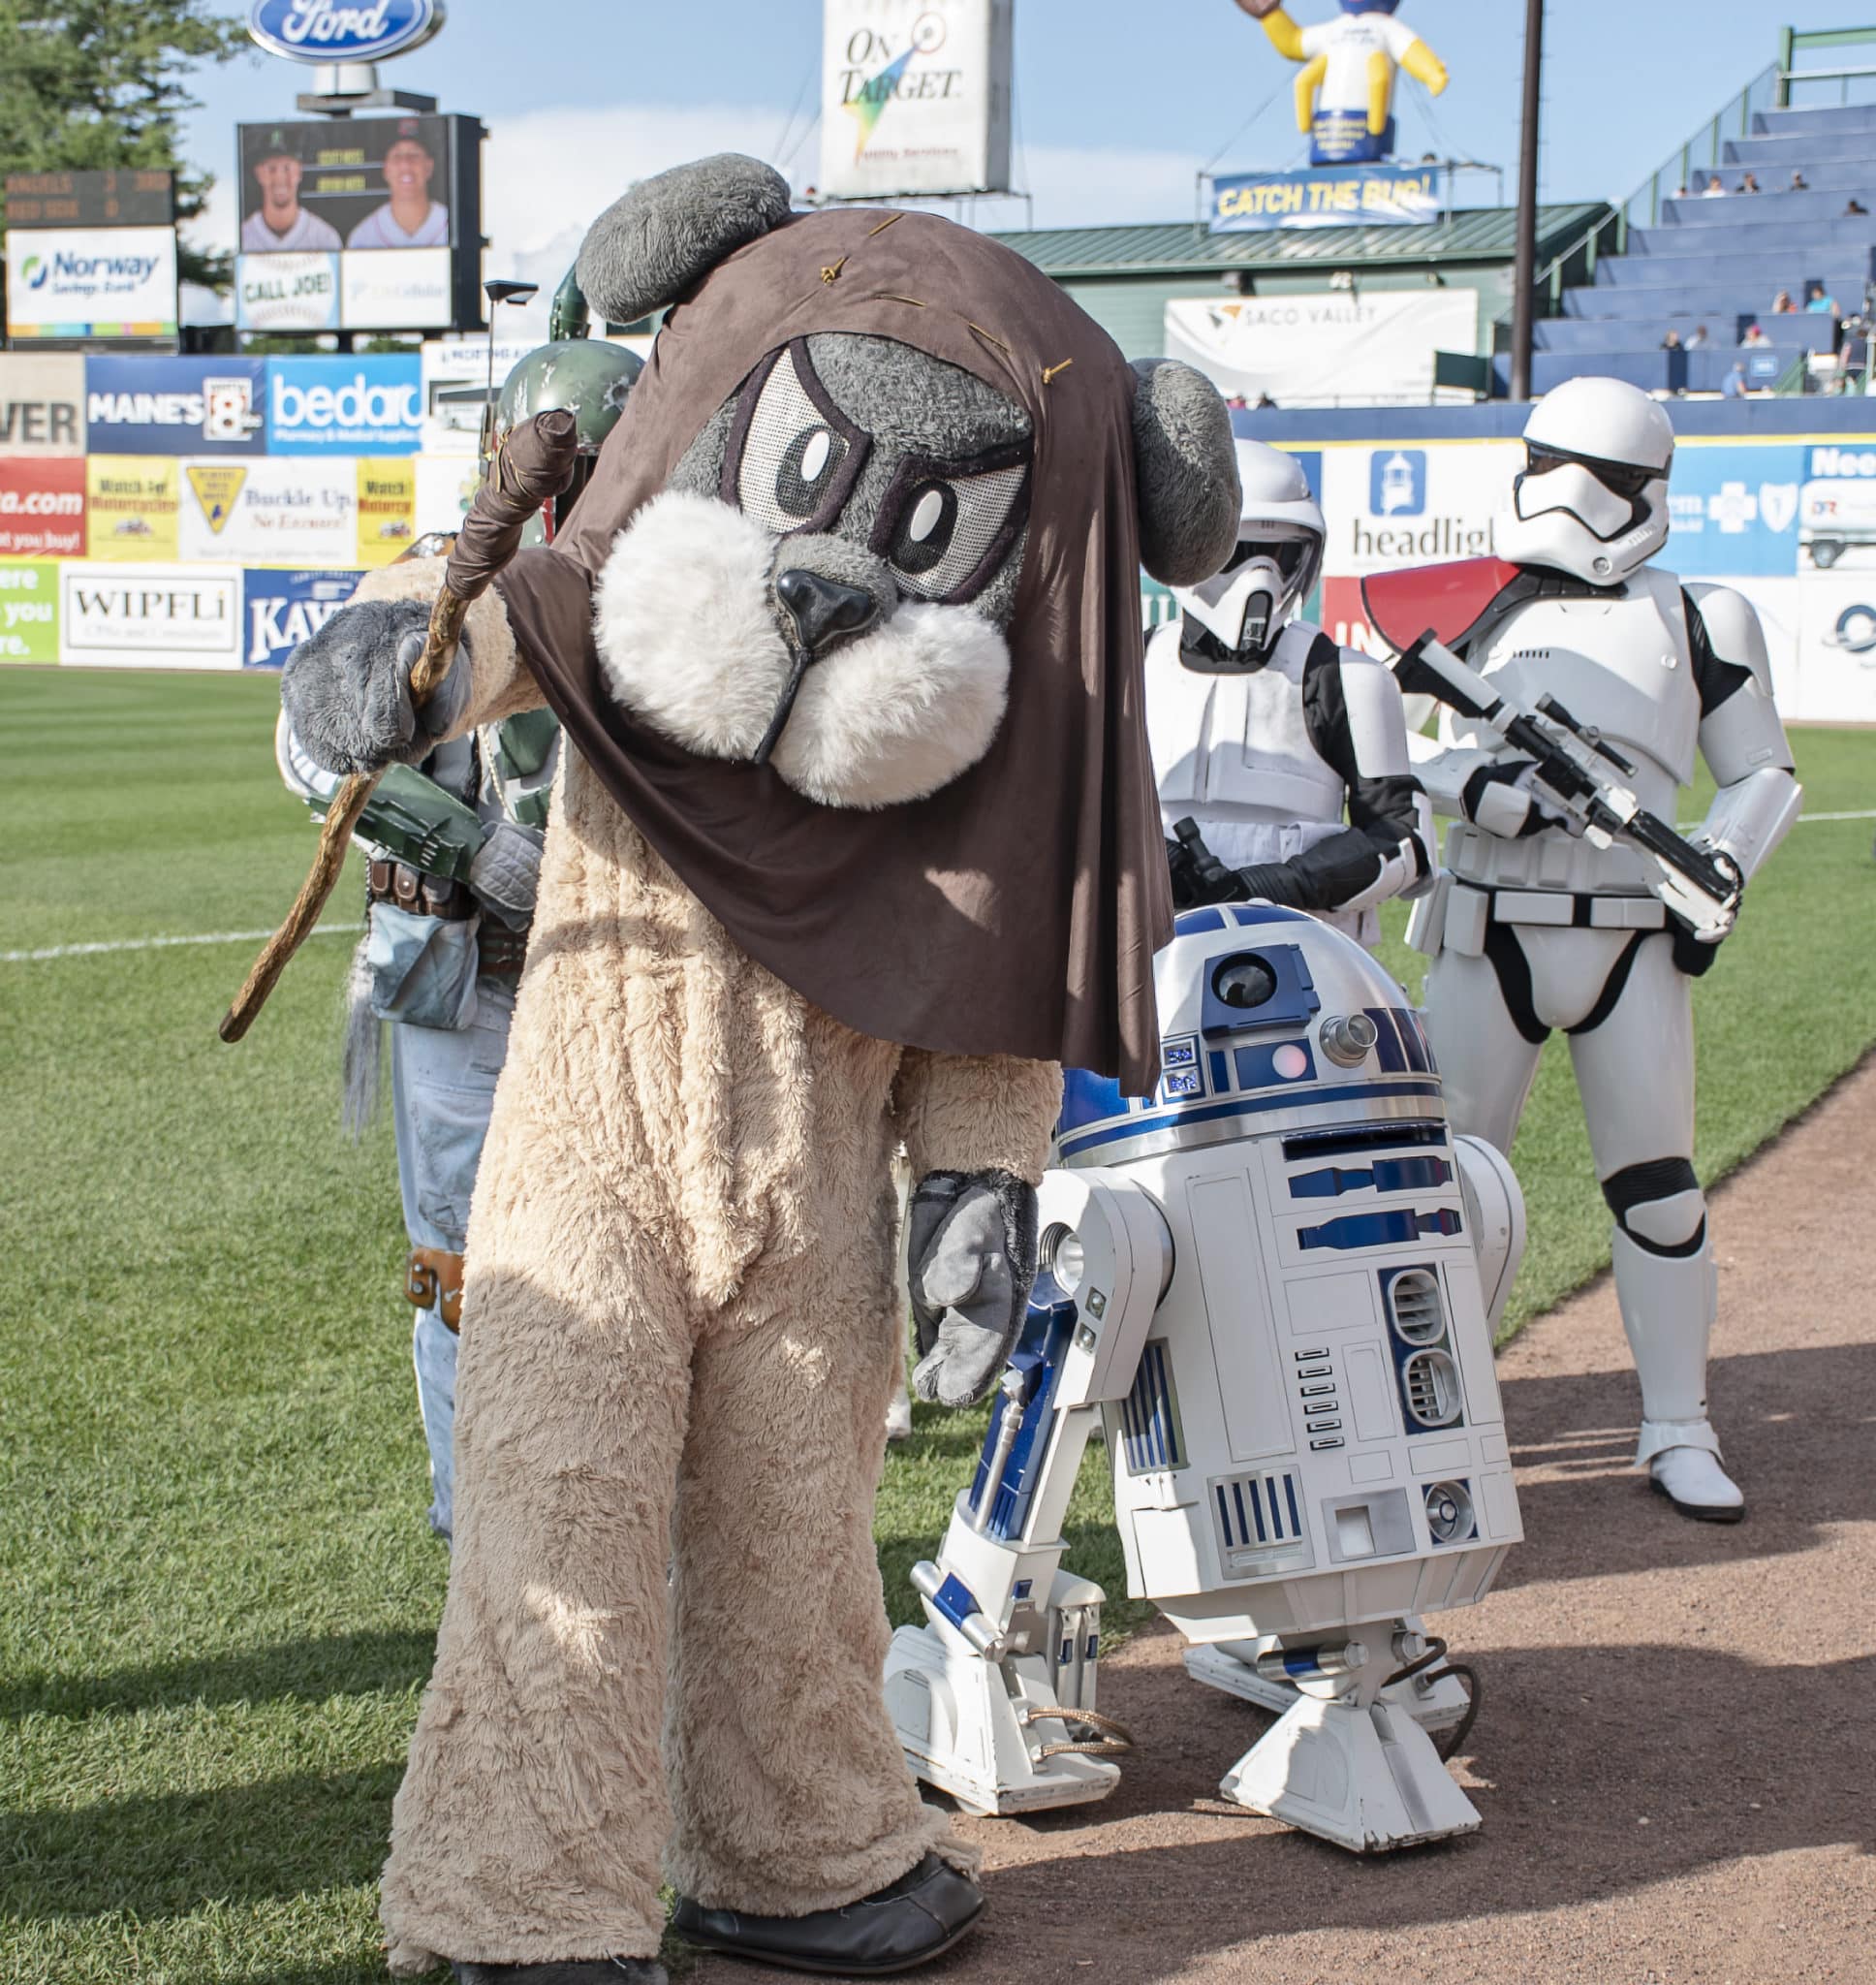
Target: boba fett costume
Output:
[(453, 849)]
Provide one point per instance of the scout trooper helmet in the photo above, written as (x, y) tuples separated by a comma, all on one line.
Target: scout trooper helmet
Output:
[(1278, 554), (1593, 498)]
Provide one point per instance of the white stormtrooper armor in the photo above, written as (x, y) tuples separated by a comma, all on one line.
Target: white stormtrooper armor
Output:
[(1533, 929), (1264, 731)]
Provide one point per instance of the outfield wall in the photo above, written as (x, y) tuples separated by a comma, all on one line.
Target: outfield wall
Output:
[(1777, 498), (210, 512)]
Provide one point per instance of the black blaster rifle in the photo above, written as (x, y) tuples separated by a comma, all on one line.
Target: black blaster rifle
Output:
[(1700, 887), (1199, 876)]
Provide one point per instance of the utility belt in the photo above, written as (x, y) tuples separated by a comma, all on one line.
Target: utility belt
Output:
[(500, 950), (1453, 916), (433, 1281)]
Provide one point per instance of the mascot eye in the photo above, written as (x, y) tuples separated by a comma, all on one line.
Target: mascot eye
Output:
[(945, 528), (792, 455)]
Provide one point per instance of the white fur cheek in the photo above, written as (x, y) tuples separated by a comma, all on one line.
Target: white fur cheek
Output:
[(681, 617), (898, 714)]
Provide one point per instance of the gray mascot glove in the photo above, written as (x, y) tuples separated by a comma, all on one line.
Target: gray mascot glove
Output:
[(346, 688), (970, 1259), (506, 872)]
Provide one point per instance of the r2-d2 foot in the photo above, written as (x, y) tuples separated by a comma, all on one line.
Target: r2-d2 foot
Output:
[(1266, 1281)]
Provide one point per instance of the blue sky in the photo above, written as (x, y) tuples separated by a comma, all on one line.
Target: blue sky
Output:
[(1117, 105)]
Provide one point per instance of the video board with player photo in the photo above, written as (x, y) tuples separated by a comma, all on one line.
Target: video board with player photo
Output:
[(346, 183)]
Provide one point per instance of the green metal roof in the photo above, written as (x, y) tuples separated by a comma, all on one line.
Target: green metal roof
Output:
[(1485, 233)]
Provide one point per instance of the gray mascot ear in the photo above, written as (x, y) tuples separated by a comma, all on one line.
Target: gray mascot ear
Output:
[(1186, 467), (646, 249)]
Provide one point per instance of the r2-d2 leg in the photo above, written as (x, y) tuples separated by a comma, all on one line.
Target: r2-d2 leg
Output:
[(994, 1697)]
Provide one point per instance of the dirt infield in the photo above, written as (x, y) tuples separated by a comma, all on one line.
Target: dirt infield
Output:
[(1676, 1746)]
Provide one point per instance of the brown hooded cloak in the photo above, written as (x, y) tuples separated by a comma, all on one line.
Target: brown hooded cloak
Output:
[(1017, 910)]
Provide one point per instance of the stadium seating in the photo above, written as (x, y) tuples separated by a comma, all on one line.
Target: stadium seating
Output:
[(1719, 263)]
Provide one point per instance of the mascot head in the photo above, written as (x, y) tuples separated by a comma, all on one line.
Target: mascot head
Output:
[(856, 434), (848, 619), (1369, 6)]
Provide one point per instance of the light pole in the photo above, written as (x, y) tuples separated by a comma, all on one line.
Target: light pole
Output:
[(1524, 271)]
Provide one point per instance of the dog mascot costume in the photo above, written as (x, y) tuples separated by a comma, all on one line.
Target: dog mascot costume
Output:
[(856, 840)]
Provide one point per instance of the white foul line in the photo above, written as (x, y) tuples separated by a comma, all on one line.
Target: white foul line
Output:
[(24, 958), (1862, 813)]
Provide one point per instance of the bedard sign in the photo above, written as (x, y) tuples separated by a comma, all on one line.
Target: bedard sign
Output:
[(333, 31)]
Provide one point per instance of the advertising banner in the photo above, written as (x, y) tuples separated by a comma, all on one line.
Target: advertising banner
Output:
[(41, 508), (29, 612), (327, 31), (156, 616), (1327, 197), (287, 292), (386, 510), (397, 289), (283, 608), (345, 405), (1734, 508), (446, 486), (91, 282), (269, 511), (1323, 348), (915, 97), (1416, 504), (176, 406), (132, 504), (42, 403)]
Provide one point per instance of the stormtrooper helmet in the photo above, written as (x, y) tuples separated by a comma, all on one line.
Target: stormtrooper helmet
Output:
[(1278, 554), (1593, 498)]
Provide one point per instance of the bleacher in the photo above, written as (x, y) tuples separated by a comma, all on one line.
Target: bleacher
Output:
[(1717, 263)]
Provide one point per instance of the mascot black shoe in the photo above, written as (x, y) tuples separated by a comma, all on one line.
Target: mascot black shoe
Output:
[(908, 1922)]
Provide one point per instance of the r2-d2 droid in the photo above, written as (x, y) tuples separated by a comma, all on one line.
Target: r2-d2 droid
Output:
[(1272, 1282)]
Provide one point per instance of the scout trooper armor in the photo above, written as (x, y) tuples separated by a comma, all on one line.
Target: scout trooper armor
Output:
[(1263, 730), (1533, 928)]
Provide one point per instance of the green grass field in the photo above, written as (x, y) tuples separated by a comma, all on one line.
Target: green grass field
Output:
[(217, 1594)]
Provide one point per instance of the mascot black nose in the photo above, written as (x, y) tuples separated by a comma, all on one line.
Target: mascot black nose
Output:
[(823, 609)]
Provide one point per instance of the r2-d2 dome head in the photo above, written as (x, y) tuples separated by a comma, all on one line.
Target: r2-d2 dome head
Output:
[(1279, 553), (1593, 498)]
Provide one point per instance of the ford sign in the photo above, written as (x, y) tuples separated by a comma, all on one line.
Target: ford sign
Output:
[(342, 30)]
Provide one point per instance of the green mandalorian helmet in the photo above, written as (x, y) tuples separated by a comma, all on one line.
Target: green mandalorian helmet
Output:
[(582, 374)]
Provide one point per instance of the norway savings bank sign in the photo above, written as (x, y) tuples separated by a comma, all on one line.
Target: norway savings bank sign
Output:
[(331, 31)]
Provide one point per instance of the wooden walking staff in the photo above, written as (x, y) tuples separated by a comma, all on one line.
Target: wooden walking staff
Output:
[(535, 462)]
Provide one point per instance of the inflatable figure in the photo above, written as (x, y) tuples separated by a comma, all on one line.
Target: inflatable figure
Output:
[(1582, 683), (854, 843), (1345, 94)]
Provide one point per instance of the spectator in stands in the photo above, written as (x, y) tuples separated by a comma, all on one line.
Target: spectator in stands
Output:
[(1853, 206), (1818, 303), (1750, 183), (1755, 340), (1800, 183), (1736, 387), (1714, 189), (1696, 340), (1261, 401), (1782, 305), (1671, 343), (1681, 191)]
